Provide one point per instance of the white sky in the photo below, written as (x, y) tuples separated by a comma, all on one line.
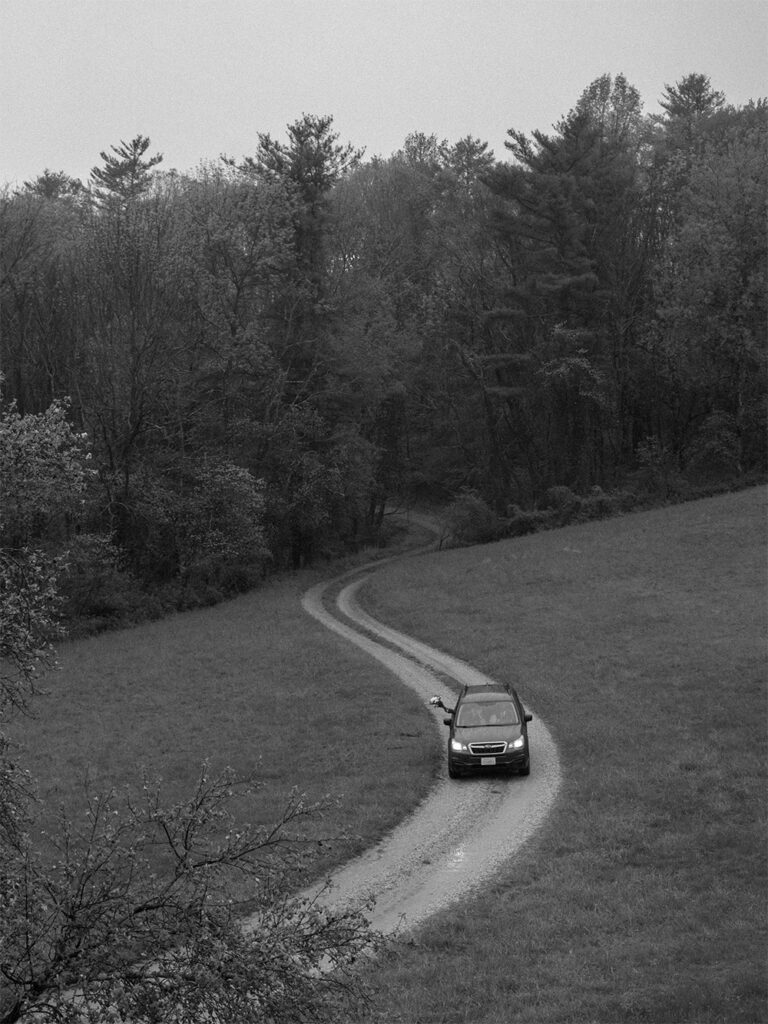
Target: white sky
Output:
[(202, 77)]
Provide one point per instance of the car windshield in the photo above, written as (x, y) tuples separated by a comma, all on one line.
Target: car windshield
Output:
[(476, 713)]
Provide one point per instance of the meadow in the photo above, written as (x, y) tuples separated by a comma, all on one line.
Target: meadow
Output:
[(641, 643), (639, 640), (253, 684)]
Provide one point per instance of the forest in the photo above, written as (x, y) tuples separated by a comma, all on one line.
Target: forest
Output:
[(212, 376)]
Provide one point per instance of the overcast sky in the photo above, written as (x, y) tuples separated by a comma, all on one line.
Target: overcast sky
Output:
[(202, 77)]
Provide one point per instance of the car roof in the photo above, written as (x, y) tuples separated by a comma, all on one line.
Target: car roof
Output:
[(488, 692)]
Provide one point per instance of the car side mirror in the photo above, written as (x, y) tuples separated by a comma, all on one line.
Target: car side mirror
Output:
[(447, 721), (528, 718)]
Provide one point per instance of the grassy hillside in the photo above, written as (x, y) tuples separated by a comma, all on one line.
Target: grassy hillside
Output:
[(641, 642), (253, 683)]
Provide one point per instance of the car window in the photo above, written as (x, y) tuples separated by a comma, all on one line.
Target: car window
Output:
[(502, 712)]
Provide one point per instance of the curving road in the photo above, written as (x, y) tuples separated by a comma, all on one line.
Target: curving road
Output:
[(465, 829)]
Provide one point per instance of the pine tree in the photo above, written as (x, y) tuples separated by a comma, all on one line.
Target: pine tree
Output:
[(574, 230), (126, 175), (53, 185), (691, 98)]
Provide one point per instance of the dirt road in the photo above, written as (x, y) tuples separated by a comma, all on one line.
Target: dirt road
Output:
[(466, 828)]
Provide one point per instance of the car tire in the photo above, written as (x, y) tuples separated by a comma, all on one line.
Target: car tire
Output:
[(526, 769), (452, 773)]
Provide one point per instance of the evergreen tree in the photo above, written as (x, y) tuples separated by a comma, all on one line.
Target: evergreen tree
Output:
[(692, 98), (54, 185), (575, 229), (309, 165), (126, 174)]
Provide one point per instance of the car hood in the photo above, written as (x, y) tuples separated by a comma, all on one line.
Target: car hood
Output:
[(488, 734)]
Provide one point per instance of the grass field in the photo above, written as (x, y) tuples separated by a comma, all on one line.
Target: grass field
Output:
[(640, 641), (254, 684)]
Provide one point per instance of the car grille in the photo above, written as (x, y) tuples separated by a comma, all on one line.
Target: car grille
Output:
[(486, 748)]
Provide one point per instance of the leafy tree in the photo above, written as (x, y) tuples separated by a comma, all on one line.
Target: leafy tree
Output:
[(42, 480), (379, 274), (131, 911), (707, 339), (390, 237), (223, 517), (201, 525), (134, 319), (240, 249), (28, 601), (39, 237), (452, 405), (42, 475)]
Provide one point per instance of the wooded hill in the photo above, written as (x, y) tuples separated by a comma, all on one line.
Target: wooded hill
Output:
[(248, 361)]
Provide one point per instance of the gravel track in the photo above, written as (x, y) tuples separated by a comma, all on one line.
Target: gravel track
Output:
[(465, 829)]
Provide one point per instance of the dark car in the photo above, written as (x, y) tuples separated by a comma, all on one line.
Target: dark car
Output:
[(489, 731)]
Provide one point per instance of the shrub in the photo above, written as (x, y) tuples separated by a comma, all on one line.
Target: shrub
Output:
[(656, 472), (470, 520), (94, 587), (220, 522), (125, 913), (561, 498), (521, 522), (716, 450), (562, 505), (599, 505)]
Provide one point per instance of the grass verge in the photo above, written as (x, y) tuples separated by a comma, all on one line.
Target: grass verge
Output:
[(641, 642)]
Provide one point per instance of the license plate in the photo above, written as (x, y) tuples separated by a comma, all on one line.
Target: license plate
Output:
[(487, 760)]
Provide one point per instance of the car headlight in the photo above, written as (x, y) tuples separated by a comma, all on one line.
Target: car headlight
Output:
[(516, 744), (457, 745)]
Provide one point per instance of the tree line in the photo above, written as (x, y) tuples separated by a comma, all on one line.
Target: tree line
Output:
[(263, 353)]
